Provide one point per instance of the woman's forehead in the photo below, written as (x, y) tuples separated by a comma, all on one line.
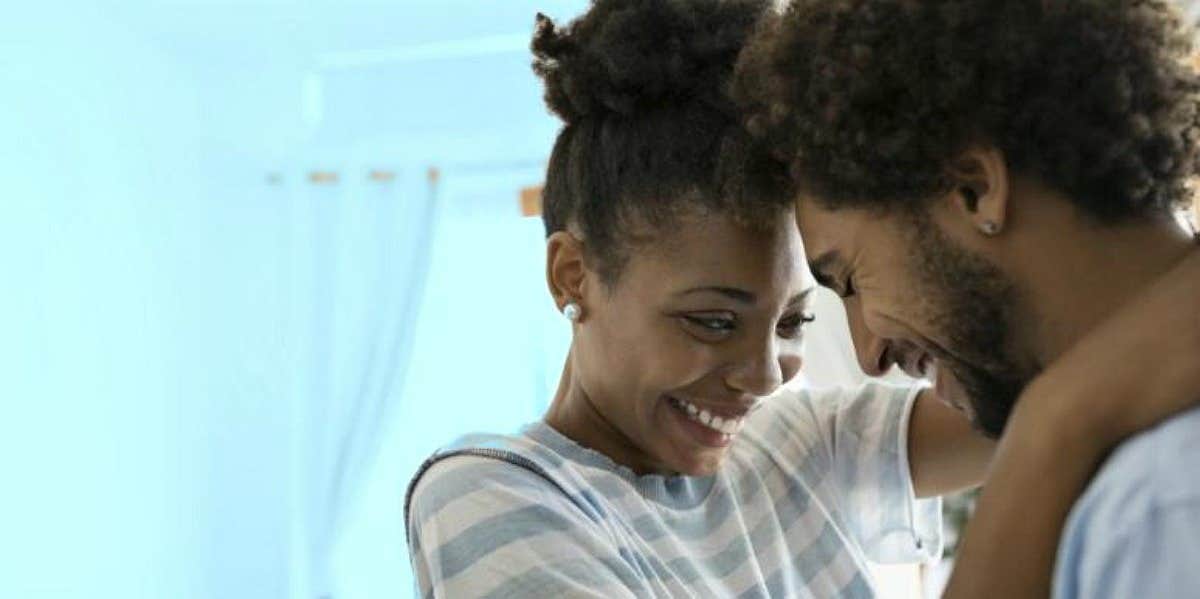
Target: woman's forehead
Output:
[(714, 250)]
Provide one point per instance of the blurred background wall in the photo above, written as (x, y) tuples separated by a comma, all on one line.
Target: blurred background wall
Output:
[(237, 309)]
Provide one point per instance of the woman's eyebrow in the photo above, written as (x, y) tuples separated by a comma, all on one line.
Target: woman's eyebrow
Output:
[(738, 295)]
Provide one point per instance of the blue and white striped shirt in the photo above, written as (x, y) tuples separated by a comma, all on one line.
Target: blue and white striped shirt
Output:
[(816, 484)]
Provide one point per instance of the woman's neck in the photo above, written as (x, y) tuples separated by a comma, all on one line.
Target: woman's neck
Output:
[(574, 414)]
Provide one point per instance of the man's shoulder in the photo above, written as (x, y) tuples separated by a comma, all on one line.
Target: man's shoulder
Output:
[(1158, 464), (1150, 471), (1131, 533)]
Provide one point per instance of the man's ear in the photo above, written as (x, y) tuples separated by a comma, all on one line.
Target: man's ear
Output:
[(980, 193), (566, 272)]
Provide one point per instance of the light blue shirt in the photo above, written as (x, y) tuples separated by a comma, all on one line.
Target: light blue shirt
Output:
[(1136, 531)]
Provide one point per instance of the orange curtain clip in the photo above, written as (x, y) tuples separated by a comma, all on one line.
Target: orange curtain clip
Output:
[(323, 177), (531, 200)]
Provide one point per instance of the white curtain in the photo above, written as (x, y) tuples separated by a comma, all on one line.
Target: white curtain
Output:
[(360, 252), (488, 347)]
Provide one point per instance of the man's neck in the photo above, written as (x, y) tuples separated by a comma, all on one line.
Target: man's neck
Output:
[(1078, 274)]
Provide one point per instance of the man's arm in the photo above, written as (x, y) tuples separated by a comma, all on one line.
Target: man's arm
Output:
[(1142, 367)]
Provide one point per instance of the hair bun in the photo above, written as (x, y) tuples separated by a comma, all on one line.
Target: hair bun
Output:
[(628, 56)]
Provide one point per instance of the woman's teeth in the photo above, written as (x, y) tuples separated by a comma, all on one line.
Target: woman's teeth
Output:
[(731, 426)]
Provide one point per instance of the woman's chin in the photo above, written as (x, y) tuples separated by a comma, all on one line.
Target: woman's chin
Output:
[(703, 463)]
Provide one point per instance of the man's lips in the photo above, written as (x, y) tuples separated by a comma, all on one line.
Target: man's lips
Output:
[(917, 365), (939, 389), (948, 389)]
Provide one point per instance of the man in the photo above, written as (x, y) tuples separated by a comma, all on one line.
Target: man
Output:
[(983, 182)]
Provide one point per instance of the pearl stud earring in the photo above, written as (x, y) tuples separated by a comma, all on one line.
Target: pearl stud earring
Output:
[(990, 228), (572, 311)]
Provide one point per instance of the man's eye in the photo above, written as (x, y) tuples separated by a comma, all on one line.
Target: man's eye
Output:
[(848, 289)]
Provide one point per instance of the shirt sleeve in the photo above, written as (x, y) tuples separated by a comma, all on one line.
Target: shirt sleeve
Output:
[(480, 527), (866, 433), (1156, 555)]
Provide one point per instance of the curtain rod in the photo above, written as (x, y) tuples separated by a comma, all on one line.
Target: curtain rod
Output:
[(462, 48)]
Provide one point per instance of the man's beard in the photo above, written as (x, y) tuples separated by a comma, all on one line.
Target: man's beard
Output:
[(971, 303)]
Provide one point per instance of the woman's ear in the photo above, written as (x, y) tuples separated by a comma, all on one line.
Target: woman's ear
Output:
[(566, 272), (980, 194)]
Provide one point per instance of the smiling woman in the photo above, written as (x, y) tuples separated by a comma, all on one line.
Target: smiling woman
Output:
[(661, 468), (710, 319)]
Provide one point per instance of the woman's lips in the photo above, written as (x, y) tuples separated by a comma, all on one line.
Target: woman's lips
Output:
[(702, 426)]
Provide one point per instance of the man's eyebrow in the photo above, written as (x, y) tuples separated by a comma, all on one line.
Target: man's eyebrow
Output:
[(738, 295), (822, 265)]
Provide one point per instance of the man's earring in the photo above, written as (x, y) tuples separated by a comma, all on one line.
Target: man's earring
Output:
[(990, 228), (572, 311)]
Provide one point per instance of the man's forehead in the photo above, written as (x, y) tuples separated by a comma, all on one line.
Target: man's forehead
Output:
[(820, 229)]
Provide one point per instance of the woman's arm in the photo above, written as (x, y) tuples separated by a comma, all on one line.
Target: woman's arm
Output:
[(945, 453), (1140, 367)]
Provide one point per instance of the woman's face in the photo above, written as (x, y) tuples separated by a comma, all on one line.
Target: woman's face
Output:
[(702, 324)]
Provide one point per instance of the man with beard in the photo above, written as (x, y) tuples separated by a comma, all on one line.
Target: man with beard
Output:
[(984, 182)]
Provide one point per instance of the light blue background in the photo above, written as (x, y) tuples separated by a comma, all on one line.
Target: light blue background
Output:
[(195, 336)]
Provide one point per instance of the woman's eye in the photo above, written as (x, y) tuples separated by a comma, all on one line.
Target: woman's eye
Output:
[(709, 327), (790, 326), (716, 325)]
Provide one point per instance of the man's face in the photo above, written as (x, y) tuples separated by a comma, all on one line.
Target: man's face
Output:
[(918, 300)]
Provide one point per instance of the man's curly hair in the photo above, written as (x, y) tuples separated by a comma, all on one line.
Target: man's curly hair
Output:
[(870, 101), (649, 127)]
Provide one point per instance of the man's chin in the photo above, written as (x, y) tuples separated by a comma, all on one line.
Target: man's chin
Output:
[(950, 390), (983, 430), (967, 409), (992, 403), (984, 399)]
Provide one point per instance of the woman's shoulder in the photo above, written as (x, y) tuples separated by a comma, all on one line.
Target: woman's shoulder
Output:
[(468, 478), (478, 462), (494, 473)]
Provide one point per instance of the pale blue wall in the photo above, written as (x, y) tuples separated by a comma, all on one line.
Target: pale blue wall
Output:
[(147, 435)]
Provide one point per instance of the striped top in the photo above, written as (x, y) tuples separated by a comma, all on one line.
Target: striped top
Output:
[(816, 484)]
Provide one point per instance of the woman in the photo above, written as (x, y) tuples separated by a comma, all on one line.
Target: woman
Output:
[(660, 468)]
